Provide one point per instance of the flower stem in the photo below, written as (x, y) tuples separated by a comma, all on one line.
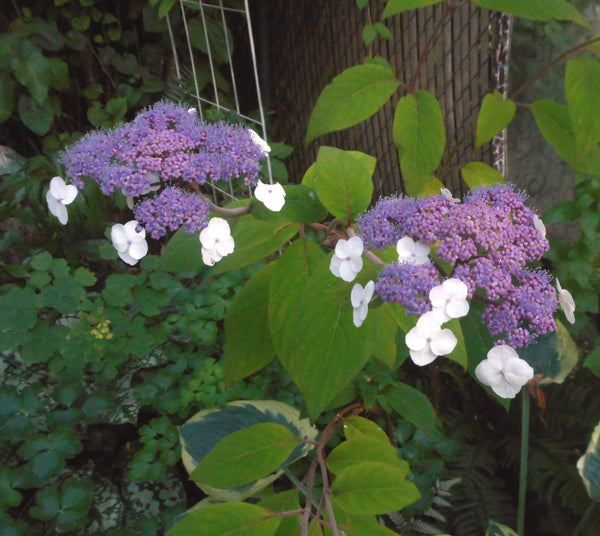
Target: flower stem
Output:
[(524, 455)]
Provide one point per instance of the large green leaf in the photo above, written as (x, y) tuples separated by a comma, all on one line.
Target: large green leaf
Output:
[(183, 253), (412, 405), (554, 355), (248, 345), (288, 283), (254, 240), (352, 97), (589, 466), (35, 73), (343, 181), (554, 123), (494, 116), (479, 174), (200, 434), (372, 488), (420, 138), (363, 449), (582, 89), (246, 455), (393, 7), (228, 519), (322, 349), (356, 427), (536, 9)]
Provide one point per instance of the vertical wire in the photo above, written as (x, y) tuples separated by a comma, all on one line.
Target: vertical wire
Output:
[(189, 43), (228, 47), (258, 94), (172, 39), (210, 58)]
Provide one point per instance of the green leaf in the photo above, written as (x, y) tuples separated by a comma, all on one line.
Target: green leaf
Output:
[(480, 174), (361, 3), (343, 181), (216, 38), (246, 455), (372, 488), (7, 97), (203, 431), (352, 97), (494, 116), (413, 406), (368, 34), (536, 9), (554, 122), (254, 240), (356, 427), (288, 282), (183, 253), (281, 502), (322, 349), (582, 88), (165, 7), (393, 7), (35, 117), (589, 466), (93, 91), (84, 277), (228, 519), (382, 30), (363, 449), (248, 345), (47, 505), (496, 529), (34, 73), (419, 137), (301, 205), (383, 343), (554, 355)]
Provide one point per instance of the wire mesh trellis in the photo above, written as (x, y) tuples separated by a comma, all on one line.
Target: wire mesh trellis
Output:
[(318, 39), (216, 19)]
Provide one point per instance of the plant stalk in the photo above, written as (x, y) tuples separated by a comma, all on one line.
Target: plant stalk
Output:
[(524, 456)]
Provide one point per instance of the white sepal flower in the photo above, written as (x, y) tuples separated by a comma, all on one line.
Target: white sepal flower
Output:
[(412, 252), (539, 225), (262, 144), (130, 244), (450, 298), (270, 195), (360, 299), (566, 302), (347, 258), (58, 196), (504, 371), (427, 340), (216, 241), (448, 195)]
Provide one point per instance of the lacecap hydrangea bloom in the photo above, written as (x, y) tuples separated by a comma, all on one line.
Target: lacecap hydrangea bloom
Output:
[(487, 240), (165, 155)]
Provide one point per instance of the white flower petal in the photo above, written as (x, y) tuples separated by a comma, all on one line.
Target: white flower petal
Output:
[(126, 257), (347, 272), (443, 342), (539, 225), (57, 209), (566, 302), (262, 144), (412, 252), (119, 237), (271, 195), (423, 357), (504, 371), (225, 247), (210, 257), (457, 308), (518, 372), (217, 230), (334, 265), (138, 248), (416, 338)]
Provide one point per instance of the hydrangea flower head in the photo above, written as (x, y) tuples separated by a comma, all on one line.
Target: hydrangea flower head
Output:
[(130, 243), (58, 196), (216, 241), (271, 195), (360, 298), (347, 258), (504, 371)]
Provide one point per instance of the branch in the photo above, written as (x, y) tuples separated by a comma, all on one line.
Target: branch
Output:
[(240, 211)]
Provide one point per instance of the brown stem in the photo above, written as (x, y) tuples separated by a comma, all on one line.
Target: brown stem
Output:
[(326, 491), (240, 211)]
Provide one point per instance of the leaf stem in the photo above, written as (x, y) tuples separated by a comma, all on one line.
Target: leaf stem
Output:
[(524, 455)]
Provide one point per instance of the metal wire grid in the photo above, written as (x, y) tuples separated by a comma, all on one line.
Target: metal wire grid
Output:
[(224, 13), (317, 39)]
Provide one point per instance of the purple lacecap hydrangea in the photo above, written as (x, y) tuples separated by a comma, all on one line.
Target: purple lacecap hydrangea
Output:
[(487, 240), (167, 143), (408, 285), (171, 209)]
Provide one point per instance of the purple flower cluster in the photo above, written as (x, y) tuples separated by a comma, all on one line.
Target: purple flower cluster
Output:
[(171, 209), (488, 239), (164, 148)]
